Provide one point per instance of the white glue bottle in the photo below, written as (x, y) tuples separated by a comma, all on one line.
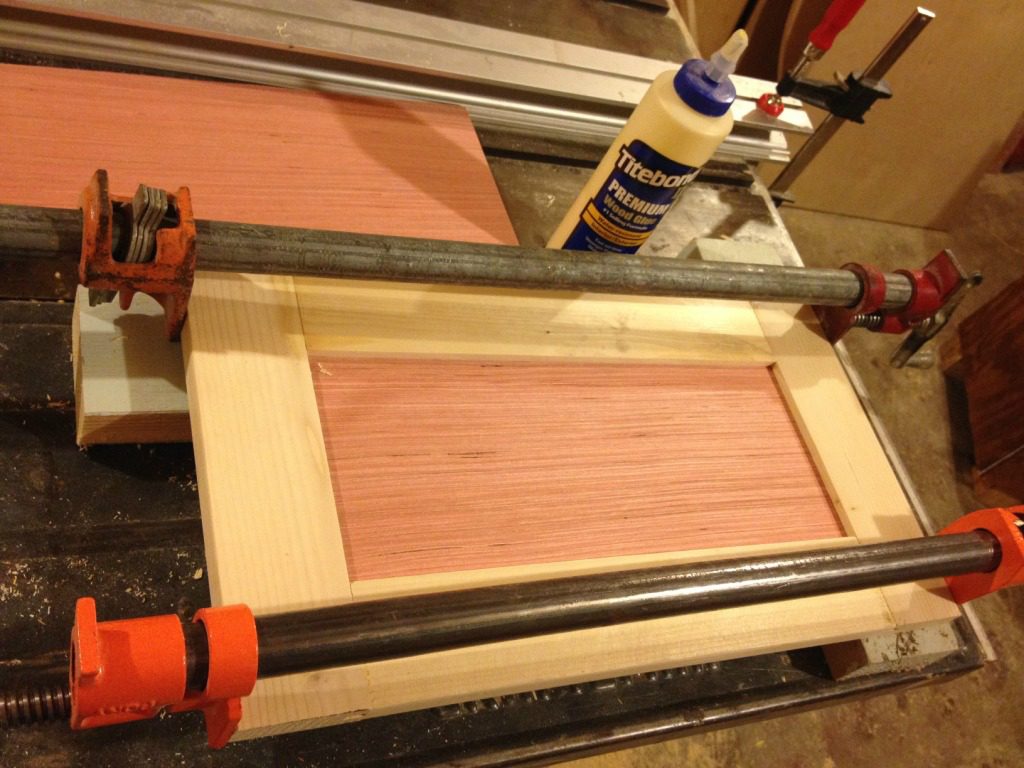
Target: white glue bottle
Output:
[(673, 131)]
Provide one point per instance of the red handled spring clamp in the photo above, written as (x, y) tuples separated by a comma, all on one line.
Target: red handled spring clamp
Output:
[(839, 14)]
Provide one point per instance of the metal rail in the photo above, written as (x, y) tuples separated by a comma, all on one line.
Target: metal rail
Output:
[(384, 629), (33, 233), (508, 81)]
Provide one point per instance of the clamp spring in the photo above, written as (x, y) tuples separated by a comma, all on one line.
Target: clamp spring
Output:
[(870, 320)]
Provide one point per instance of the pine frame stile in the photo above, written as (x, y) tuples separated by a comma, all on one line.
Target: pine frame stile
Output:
[(270, 525), (259, 462)]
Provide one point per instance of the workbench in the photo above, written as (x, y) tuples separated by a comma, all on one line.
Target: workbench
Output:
[(123, 522)]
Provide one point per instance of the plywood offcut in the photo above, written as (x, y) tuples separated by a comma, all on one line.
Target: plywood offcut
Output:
[(248, 153)]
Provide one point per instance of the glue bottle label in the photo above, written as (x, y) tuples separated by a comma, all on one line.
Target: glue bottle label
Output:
[(628, 206)]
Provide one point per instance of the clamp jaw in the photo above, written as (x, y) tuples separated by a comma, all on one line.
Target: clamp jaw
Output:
[(157, 256), (147, 244), (134, 669), (849, 99), (1007, 525), (936, 291)]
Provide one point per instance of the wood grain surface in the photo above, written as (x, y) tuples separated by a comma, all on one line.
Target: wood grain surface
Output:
[(266, 488), (992, 348), (448, 465), (249, 153)]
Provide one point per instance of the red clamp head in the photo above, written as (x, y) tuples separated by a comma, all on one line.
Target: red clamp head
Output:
[(133, 669), (167, 277), (836, 321), (932, 288), (935, 288), (1005, 525)]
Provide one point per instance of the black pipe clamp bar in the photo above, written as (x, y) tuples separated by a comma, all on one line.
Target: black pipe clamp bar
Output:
[(384, 629), (378, 630), (34, 233)]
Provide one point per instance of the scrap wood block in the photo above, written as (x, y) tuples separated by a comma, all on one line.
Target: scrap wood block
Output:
[(269, 501), (129, 382)]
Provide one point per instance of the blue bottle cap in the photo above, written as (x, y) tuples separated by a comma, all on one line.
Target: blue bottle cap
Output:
[(700, 92)]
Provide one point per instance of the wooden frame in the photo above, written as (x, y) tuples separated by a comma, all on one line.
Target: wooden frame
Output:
[(270, 522)]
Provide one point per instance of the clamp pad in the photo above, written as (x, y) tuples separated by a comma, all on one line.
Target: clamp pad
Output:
[(234, 663), (836, 321), (1005, 525)]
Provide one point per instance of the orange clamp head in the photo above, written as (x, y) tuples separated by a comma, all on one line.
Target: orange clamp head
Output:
[(1005, 525), (234, 663), (124, 670), (133, 669)]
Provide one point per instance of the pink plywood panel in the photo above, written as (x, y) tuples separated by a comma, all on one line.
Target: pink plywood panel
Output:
[(447, 465), (249, 153)]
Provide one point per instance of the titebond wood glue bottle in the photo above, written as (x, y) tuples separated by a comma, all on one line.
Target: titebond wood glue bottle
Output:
[(673, 131)]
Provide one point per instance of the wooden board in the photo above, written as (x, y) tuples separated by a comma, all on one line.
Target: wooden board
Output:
[(865, 494), (128, 388), (270, 521), (987, 354), (711, 23), (249, 153)]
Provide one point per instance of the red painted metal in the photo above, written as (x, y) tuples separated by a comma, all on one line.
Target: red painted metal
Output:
[(932, 286), (167, 278), (771, 104)]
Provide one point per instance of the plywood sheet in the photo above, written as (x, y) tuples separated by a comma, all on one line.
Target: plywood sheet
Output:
[(449, 465), (249, 153)]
